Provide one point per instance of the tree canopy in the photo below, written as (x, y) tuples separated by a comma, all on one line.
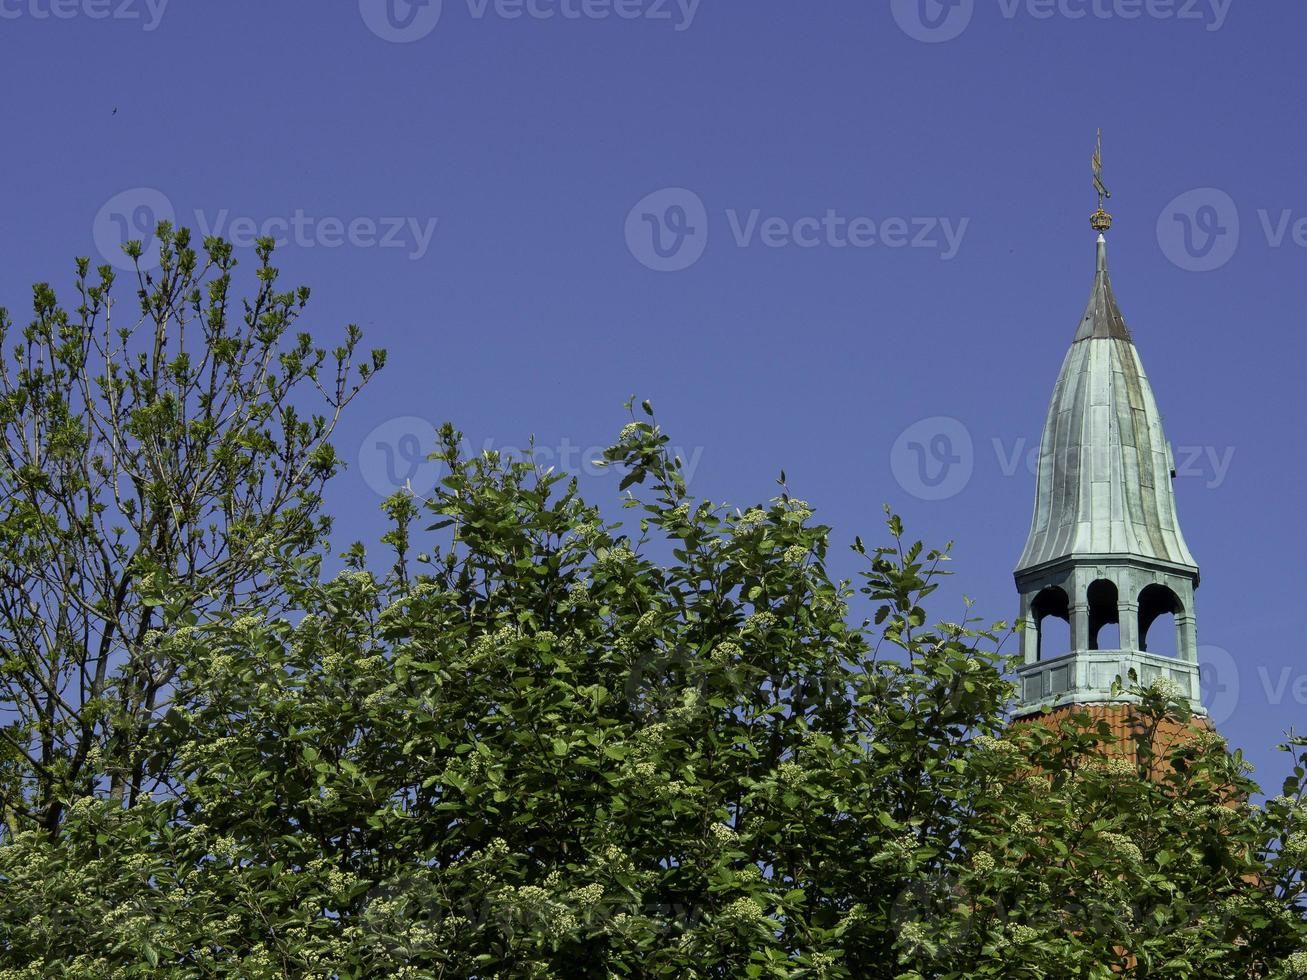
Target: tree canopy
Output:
[(521, 740)]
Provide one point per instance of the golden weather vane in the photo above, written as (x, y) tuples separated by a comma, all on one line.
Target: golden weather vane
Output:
[(1100, 219)]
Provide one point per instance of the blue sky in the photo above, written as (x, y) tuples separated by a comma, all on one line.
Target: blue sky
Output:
[(872, 235)]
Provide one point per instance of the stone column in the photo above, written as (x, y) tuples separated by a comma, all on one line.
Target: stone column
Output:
[(1186, 640), (1030, 634), (1079, 626), (1128, 611)]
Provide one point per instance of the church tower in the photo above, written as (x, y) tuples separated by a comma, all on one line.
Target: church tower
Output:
[(1105, 548)]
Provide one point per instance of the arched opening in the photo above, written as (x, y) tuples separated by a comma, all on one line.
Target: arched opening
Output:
[(1158, 608), (1104, 616), (1051, 611)]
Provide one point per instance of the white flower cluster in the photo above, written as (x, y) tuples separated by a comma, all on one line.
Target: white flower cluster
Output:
[(221, 663), (340, 882), (84, 806), (225, 848), (988, 743), (691, 702), (795, 554), (1023, 934), (799, 508), (1119, 768), (259, 962), (1024, 826), (377, 700), (644, 772), (675, 788), (1123, 847), (902, 847), (358, 578), (791, 774), (1296, 964), (1037, 784), (722, 835), (822, 962), (617, 558), (653, 736), (588, 896), (1165, 688), (724, 654), (537, 906), (741, 912), (488, 645), (750, 520), (913, 936), (586, 530)]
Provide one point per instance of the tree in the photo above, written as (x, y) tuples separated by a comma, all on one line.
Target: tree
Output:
[(547, 745), (155, 469)]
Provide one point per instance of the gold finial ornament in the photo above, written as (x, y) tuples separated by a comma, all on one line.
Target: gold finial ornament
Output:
[(1100, 219)]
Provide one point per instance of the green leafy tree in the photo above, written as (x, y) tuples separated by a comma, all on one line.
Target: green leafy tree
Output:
[(541, 743), (157, 467), (546, 745)]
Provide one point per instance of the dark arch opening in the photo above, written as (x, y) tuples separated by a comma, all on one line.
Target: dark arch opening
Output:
[(1104, 616), (1052, 603), (1158, 603)]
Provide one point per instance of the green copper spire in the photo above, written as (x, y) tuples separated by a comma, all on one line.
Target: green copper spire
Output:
[(1105, 546)]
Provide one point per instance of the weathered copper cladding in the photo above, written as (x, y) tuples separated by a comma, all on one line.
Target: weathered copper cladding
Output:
[(1105, 545)]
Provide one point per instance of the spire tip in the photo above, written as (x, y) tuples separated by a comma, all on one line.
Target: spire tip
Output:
[(1100, 219)]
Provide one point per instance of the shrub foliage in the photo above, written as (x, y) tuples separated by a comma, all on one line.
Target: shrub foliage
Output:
[(547, 744)]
